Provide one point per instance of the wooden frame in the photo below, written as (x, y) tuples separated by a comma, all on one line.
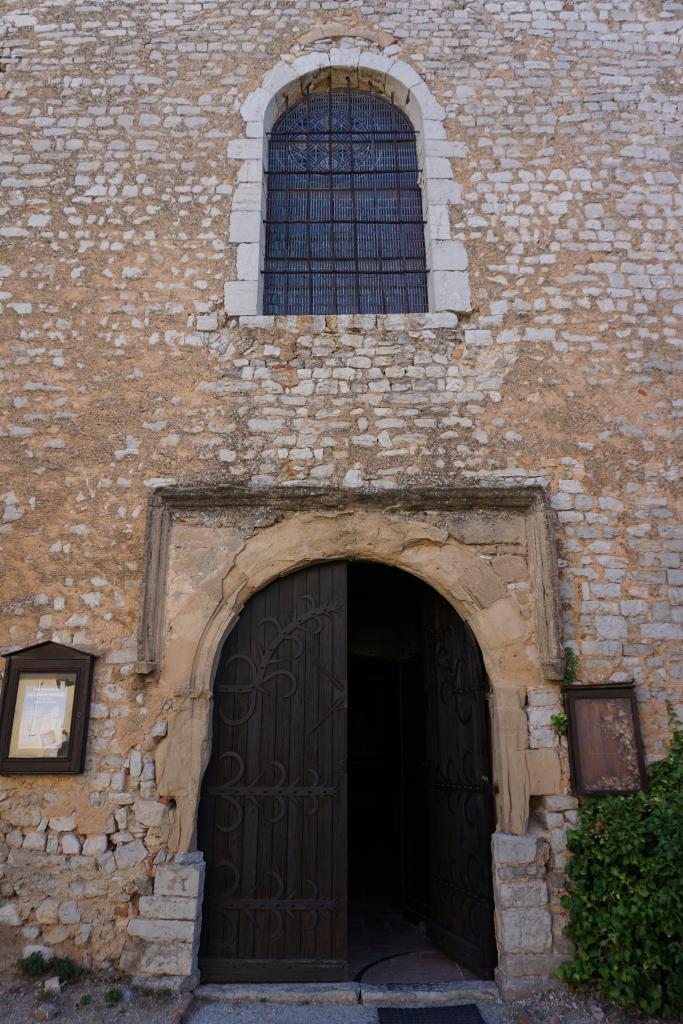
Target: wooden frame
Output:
[(57, 668), (605, 743)]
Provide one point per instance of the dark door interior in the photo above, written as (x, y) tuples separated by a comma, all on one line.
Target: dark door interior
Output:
[(273, 812), (420, 808)]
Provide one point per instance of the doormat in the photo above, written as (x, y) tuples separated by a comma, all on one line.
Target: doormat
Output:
[(468, 1014)]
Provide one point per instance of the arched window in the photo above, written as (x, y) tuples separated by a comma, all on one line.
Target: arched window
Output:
[(344, 222)]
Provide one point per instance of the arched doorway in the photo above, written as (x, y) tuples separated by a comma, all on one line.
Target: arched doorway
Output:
[(350, 764)]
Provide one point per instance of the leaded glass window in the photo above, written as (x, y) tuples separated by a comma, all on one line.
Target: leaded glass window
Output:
[(344, 224)]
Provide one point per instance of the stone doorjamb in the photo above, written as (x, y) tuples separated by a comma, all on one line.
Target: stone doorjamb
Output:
[(188, 614)]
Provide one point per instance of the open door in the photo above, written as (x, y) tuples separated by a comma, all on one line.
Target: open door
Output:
[(272, 817), (460, 796)]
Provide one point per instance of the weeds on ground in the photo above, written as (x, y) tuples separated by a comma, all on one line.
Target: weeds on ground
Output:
[(113, 996), (36, 966)]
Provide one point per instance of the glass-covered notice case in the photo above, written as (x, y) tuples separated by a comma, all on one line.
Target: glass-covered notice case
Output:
[(44, 710), (605, 745)]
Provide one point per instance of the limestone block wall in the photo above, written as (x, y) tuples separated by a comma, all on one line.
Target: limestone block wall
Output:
[(122, 371)]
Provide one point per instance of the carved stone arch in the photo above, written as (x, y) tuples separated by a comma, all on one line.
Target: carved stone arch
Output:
[(395, 79), (199, 620)]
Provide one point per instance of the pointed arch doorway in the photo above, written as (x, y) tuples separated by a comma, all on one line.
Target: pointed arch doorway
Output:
[(350, 763)]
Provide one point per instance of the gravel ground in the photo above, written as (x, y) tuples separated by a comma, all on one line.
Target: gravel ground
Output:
[(84, 1002), (563, 1006)]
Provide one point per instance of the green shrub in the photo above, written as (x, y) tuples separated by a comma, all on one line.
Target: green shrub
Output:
[(571, 666), (36, 966), (113, 996), (625, 892)]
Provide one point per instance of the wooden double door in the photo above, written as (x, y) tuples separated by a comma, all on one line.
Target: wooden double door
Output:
[(273, 812)]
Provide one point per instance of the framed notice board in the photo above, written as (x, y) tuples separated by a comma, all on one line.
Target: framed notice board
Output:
[(605, 745), (44, 710)]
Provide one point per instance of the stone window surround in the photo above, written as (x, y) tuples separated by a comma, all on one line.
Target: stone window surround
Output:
[(286, 82)]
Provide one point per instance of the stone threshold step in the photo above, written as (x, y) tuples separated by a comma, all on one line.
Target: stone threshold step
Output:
[(351, 993)]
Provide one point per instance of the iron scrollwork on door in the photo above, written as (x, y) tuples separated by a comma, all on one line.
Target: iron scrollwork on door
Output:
[(272, 799), (279, 907), (271, 661), (273, 810)]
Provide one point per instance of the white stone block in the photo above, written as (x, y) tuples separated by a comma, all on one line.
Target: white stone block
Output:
[(248, 261), (441, 191), (437, 167), (525, 931), (130, 854), (9, 914), (429, 108), (245, 149), (447, 256), (245, 226), (250, 171), (207, 322), (309, 63), (248, 196), (254, 106), (344, 56), (374, 62), (432, 128), (256, 322), (179, 880), (445, 148), (436, 320), (47, 911), (149, 812), (34, 841), (161, 931), (404, 73), (63, 824), (278, 78), (438, 224), (94, 846), (508, 849), (71, 844), (164, 959), (69, 912), (450, 290), (519, 895), (241, 298), (169, 908)]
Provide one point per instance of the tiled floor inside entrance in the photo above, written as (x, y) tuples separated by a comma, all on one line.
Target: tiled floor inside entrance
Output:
[(384, 948)]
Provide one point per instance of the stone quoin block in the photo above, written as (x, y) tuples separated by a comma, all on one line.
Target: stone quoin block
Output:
[(179, 880), (526, 931)]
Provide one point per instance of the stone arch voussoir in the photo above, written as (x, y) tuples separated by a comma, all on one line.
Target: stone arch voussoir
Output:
[(505, 636)]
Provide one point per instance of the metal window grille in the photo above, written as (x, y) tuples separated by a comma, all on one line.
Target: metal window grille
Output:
[(344, 223)]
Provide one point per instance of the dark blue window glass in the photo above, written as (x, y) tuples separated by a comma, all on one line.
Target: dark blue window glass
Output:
[(344, 224)]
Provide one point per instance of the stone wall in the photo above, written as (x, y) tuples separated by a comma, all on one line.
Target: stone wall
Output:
[(121, 371)]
